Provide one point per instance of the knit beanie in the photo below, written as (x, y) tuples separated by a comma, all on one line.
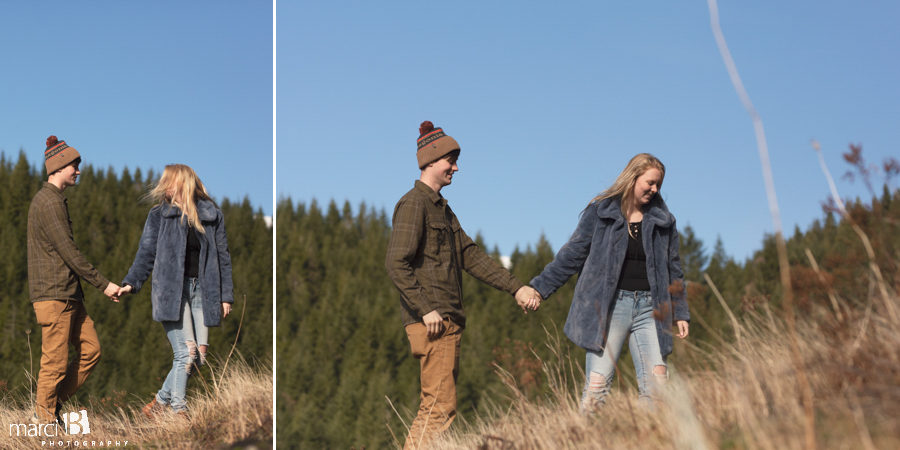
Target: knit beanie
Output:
[(433, 144), (58, 154)]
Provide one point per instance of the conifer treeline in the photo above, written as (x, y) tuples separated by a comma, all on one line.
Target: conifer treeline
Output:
[(108, 217), (343, 358)]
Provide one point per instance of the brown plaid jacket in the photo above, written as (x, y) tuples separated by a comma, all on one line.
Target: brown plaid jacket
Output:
[(54, 262), (427, 253)]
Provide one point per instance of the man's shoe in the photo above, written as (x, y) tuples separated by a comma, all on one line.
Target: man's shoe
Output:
[(59, 420), (45, 417)]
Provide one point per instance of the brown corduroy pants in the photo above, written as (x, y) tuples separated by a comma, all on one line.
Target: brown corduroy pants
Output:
[(439, 367), (62, 323)]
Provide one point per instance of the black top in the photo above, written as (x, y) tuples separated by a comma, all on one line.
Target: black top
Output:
[(634, 270), (192, 254)]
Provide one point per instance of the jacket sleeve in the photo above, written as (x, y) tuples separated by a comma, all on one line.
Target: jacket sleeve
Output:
[(146, 254), (481, 266), (679, 297), (58, 232), (570, 258), (407, 230), (224, 261)]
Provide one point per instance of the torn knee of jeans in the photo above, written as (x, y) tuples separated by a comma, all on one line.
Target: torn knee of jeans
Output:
[(192, 354), (661, 373), (596, 382)]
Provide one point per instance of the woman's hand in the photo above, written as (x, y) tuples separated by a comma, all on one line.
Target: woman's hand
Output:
[(226, 309), (683, 326), (125, 289)]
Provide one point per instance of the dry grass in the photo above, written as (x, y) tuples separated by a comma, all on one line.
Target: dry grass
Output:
[(739, 393), (231, 408)]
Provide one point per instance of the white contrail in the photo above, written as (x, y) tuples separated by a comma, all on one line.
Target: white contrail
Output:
[(761, 144)]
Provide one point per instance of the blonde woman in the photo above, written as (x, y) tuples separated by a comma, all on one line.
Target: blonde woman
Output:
[(625, 249), (185, 246)]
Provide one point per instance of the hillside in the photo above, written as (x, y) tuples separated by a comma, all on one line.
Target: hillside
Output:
[(339, 333)]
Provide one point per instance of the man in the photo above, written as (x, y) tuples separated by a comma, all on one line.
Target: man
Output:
[(427, 253), (54, 268)]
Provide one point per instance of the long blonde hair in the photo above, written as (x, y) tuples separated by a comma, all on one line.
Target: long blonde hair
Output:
[(186, 190), (623, 187)]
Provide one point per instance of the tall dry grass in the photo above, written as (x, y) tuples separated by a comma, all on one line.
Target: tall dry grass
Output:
[(230, 406), (741, 392)]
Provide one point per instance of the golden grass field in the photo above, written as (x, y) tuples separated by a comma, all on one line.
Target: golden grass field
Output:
[(741, 392), (230, 407)]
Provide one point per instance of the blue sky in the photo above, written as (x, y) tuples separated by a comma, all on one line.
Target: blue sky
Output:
[(550, 101), (144, 84)]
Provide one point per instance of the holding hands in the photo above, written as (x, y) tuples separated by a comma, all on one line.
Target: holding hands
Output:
[(124, 290), (112, 291), (528, 298)]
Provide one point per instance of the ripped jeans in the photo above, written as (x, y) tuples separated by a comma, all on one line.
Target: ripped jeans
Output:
[(185, 336), (632, 317)]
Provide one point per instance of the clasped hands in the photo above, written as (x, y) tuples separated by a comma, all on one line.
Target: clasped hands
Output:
[(114, 291), (528, 298)]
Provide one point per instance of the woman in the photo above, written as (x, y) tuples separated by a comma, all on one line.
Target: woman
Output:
[(185, 246), (625, 249)]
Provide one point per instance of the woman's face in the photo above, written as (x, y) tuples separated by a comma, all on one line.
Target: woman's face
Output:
[(646, 186)]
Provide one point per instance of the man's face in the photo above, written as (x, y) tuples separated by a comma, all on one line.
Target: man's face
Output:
[(69, 175), (443, 169)]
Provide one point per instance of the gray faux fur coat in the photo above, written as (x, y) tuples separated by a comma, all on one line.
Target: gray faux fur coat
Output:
[(596, 251), (162, 250)]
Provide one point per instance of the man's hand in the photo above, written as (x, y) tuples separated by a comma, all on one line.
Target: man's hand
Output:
[(434, 323), (528, 298), (112, 291), (226, 309), (683, 327)]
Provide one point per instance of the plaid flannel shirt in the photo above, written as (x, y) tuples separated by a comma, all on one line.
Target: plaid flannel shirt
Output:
[(427, 253), (54, 262)]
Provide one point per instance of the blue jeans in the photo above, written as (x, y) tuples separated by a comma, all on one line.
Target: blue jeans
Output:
[(632, 317), (184, 335)]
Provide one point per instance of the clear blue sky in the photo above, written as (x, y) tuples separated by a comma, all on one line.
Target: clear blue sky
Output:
[(144, 84), (550, 100)]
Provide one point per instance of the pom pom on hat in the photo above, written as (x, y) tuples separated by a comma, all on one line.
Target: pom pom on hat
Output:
[(425, 128)]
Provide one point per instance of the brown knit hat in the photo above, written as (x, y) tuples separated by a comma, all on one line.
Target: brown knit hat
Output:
[(433, 144), (58, 155)]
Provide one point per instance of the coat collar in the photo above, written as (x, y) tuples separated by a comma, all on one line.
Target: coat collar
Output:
[(657, 212), (206, 210)]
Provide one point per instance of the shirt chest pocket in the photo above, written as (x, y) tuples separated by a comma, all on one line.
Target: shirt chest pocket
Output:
[(439, 241)]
